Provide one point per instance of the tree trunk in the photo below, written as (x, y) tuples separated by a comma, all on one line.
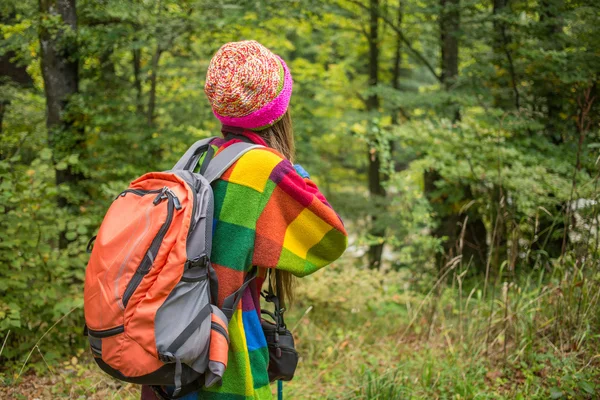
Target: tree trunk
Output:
[(499, 7), (554, 96), (137, 67), (397, 59), (552, 28), (474, 246), (376, 189), (396, 72), (3, 105), (153, 81), (449, 31), (373, 100), (60, 73), (502, 99), (448, 221), (501, 47), (14, 72)]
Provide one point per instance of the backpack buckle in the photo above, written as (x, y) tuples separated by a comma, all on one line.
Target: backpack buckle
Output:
[(200, 262), (167, 358)]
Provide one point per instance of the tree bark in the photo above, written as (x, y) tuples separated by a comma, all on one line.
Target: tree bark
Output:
[(396, 72), (3, 105), (373, 99), (376, 189), (153, 81), (60, 73), (137, 67), (397, 58), (449, 32), (501, 47), (552, 28), (59, 69)]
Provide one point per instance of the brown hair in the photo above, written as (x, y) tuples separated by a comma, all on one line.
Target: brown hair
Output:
[(280, 136)]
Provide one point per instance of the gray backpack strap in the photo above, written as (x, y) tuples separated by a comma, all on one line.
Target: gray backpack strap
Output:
[(226, 158), (230, 303), (190, 159)]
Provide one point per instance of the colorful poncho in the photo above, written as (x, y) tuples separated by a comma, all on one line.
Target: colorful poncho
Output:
[(269, 214)]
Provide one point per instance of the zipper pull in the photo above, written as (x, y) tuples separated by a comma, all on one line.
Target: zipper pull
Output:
[(174, 197), (160, 196)]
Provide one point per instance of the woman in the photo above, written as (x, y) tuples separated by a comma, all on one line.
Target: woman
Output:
[(268, 213)]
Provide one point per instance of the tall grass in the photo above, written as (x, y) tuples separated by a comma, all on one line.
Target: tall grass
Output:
[(528, 327)]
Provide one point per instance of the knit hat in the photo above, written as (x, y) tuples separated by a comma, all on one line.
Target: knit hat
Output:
[(247, 85)]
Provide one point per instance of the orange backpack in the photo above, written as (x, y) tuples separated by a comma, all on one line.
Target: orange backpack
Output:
[(150, 295)]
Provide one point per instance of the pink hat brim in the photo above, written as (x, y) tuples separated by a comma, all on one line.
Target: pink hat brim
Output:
[(270, 112)]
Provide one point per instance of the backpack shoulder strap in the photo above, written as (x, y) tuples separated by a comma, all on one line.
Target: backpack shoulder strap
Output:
[(222, 161), (230, 303), (189, 160)]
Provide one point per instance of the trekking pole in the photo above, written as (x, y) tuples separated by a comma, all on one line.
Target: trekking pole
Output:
[(279, 390)]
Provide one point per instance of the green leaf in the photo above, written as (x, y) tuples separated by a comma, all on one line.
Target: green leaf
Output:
[(71, 235), (46, 154), (73, 159), (587, 387), (556, 393)]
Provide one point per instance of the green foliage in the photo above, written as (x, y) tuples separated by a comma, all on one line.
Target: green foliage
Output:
[(385, 387), (39, 284)]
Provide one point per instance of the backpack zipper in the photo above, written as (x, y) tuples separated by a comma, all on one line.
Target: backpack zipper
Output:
[(139, 192), (148, 260), (193, 224), (194, 195), (106, 332), (167, 193)]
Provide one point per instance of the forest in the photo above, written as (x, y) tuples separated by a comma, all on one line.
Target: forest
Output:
[(458, 139)]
